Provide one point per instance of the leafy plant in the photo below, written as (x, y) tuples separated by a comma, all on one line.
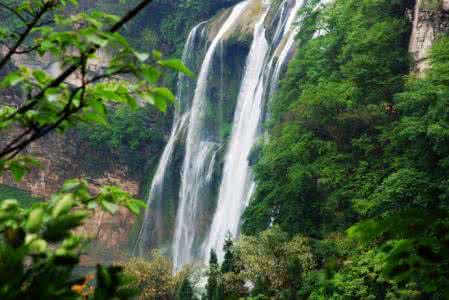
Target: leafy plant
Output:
[(39, 248)]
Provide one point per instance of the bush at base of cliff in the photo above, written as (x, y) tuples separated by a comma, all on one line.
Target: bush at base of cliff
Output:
[(155, 279)]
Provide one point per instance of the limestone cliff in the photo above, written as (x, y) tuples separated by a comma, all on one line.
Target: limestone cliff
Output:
[(430, 20)]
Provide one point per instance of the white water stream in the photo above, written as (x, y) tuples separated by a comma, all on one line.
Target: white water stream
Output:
[(262, 72), (195, 235), (237, 178), (196, 162), (179, 124)]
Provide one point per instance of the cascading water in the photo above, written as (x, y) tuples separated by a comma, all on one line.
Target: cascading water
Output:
[(181, 117), (236, 175), (199, 152), (289, 32), (156, 191), (216, 182), (237, 184)]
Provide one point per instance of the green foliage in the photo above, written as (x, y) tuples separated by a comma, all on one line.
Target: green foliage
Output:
[(80, 93), (130, 137), (228, 262), (413, 232), (212, 276), (356, 146), (360, 277), (226, 281), (39, 251), (274, 263), (154, 278), (331, 104), (185, 292)]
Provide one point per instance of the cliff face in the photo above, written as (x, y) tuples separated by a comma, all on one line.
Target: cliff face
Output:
[(430, 20), (62, 157)]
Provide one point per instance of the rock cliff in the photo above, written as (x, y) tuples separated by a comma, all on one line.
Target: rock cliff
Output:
[(430, 20)]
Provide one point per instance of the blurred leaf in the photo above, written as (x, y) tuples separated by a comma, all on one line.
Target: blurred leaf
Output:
[(176, 64)]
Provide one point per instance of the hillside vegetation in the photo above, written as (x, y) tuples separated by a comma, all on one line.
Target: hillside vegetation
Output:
[(356, 166)]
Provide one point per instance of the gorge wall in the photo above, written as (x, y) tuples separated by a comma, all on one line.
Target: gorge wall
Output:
[(430, 20)]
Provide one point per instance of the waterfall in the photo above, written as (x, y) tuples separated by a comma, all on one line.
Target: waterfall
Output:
[(197, 156), (155, 195), (236, 175), (289, 32), (215, 182), (237, 184)]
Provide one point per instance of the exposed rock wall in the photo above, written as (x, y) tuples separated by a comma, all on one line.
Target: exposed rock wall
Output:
[(62, 157), (430, 20)]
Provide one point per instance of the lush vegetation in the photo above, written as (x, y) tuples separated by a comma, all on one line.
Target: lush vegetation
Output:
[(357, 162), (352, 197), (132, 138), (39, 247), (155, 278)]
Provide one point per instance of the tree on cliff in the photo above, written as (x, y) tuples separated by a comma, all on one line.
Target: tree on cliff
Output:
[(38, 247)]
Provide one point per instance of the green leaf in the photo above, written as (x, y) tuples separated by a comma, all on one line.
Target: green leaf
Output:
[(136, 205), (160, 102), (165, 93), (141, 56), (59, 228), (40, 76), (9, 204), (157, 54), (53, 94), (35, 219), (147, 97), (11, 79), (176, 64), (151, 74), (92, 205), (95, 39), (63, 206), (38, 246), (110, 95), (109, 206), (18, 170), (70, 185)]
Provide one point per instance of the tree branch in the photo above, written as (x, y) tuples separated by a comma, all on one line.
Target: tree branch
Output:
[(71, 69), (19, 143), (24, 34)]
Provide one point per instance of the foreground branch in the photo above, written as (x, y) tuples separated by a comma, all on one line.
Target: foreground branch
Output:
[(30, 135)]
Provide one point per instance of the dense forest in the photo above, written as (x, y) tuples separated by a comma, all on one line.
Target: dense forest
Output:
[(344, 194)]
